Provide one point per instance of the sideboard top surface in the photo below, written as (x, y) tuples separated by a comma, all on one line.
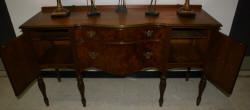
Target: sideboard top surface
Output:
[(135, 16)]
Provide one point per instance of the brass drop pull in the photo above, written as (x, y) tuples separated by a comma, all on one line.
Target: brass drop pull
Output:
[(93, 55), (91, 34), (148, 55), (149, 33)]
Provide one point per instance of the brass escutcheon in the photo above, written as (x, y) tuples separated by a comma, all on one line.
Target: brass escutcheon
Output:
[(149, 33), (91, 34), (148, 55), (93, 55)]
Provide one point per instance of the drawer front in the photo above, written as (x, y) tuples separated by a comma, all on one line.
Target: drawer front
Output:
[(189, 33), (154, 54), (97, 34), (50, 35), (112, 58), (90, 55), (122, 58), (144, 33), (120, 35)]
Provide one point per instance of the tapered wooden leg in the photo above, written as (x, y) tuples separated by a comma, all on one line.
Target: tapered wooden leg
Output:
[(202, 86), (162, 87), (58, 75), (42, 88), (81, 88), (188, 73)]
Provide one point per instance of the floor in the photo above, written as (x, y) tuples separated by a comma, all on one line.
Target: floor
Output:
[(124, 94)]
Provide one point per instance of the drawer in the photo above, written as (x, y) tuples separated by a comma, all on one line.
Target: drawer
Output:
[(122, 58), (143, 33), (97, 34), (189, 33), (50, 35), (112, 58), (154, 54), (120, 35)]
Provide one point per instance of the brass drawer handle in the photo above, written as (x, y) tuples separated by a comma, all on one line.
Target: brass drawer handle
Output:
[(91, 34), (93, 55), (148, 55), (149, 33)]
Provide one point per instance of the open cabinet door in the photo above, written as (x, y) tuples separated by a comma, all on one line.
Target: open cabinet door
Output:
[(223, 61), (20, 64)]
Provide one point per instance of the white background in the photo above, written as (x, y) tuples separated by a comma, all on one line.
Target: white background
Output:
[(21, 10)]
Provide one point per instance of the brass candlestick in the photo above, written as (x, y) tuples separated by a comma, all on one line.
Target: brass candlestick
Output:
[(186, 10), (60, 11)]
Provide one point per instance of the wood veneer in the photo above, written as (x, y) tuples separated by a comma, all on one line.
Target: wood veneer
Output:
[(122, 44)]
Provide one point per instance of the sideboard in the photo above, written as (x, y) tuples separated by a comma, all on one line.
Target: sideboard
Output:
[(120, 44)]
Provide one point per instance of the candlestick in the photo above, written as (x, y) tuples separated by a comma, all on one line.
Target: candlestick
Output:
[(60, 11), (93, 11), (186, 10), (152, 9)]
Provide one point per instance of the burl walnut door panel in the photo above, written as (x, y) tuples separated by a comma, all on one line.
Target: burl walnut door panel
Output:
[(223, 61), (20, 64)]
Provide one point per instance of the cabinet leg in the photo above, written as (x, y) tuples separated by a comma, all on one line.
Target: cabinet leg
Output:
[(81, 88), (42, 88), (188, 73), (202, 86), (162, 87), (58, 75)]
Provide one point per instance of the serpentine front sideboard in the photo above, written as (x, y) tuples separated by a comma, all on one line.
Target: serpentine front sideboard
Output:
[(122, 43)]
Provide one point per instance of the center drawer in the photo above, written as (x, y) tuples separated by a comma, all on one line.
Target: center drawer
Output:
[(119, 35)]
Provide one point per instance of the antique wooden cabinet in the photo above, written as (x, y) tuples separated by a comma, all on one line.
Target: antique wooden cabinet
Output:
[(122, 43)]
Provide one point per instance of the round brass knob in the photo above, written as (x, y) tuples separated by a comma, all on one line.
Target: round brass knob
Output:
[(91, 34), (148, 55), (149, 33), (93, 55)]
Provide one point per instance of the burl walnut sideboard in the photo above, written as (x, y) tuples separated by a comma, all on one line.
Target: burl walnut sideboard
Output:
[(122, 43)]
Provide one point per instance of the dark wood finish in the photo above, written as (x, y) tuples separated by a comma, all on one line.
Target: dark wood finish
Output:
[(120, 52), (42, 88), (188, 73), (20, 64), (202, 86), (108, 18), (81, 88), (122, 44), (57, 57), (223, 67), (162, 87), (184, 55)]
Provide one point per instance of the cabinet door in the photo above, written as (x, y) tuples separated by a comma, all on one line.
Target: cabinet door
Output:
[(20, 64), (223, 61)]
